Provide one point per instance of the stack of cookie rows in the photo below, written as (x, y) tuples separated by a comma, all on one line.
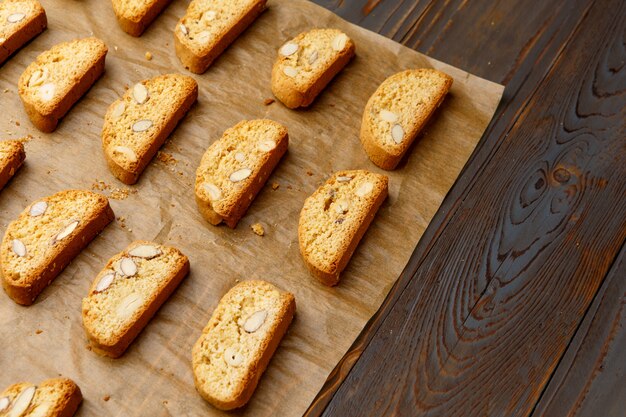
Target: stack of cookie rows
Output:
[(246, 327)]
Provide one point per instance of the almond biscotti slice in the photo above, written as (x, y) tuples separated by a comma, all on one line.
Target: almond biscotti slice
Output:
[(335, 218), (209, 27), (20, 21), (134, 16), (307, 63), (398, 111), (57, 397), (136, 125), (238, 342), (128, 292), (51, 85), (46, 237), (234, 169), (12, 158)]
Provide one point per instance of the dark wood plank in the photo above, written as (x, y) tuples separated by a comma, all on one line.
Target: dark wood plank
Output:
[(590, 379), (495, 303), (533, 62)]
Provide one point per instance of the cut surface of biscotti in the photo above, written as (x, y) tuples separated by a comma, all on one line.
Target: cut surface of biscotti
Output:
[(307, 63), (398, 111), (12, 157), (20, 21), (238, 342), (46, 236), (136, 125), (128, 292), (134, 16), (335, 218), (234, 169), (58, 397), (209, 27), (51, 85)]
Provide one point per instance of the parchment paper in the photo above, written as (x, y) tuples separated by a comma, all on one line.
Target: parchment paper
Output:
[(154, 377)]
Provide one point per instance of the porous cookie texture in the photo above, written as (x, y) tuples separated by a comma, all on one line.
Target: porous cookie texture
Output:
[(234, 169), (128, 292), (12, 157), (398, 111), (238, 342), (134, 16), (209, 27), (58, 397), (51, 85), (335, 218), (307, 63), (137, 125), (46, 236), (20, 21)]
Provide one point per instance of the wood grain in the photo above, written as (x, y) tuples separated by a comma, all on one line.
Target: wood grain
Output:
[(589, 380), (558, 212), (533, 62)]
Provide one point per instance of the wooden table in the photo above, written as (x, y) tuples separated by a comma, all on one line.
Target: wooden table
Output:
[(513, 303)]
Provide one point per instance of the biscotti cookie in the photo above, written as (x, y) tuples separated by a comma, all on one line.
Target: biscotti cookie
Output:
[(239, 341), (398, 111), (307, 63), (234, 169), (134, 16), (136, 125), (51, 85), (12, 157), (128, 292), (335, 218), (46, 237), (20, 21), (58, 397), (209, 27)]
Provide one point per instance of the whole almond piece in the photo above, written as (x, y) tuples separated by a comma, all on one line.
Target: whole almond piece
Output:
[(255, 321), (233, 357), (105, 282), (290, 72), (145, 251), (38, 209), (142, 126), (22, 402), (15, 17), (183, 29), (140, 93), (339, 42), (118, 110), (128, 267), (67, 231), (397, 133), (289, 49), (18, 248), (240, 175), (364, 189), (213, 191)]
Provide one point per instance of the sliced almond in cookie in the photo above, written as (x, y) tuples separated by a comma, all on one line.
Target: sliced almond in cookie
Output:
[(67, 230), (388, 116), (16, 17), (4, 403), (397, 133), (46, 91), (22, 402), (307, 63), (335, 218), (38, 77), (232, 357), (105, 282), (145, 251), (235, 168), (255, 321), (38, 209), (140, 93), (113, 318), (151, 110), (128, 267), (240, 175), (19, 248)]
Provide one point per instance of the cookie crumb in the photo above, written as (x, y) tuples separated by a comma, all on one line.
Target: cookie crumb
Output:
[(106, 398), (38, 331), (258, 229), (268, 101), (309, 173), (149, 56), (166, 158), (275, 186)]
